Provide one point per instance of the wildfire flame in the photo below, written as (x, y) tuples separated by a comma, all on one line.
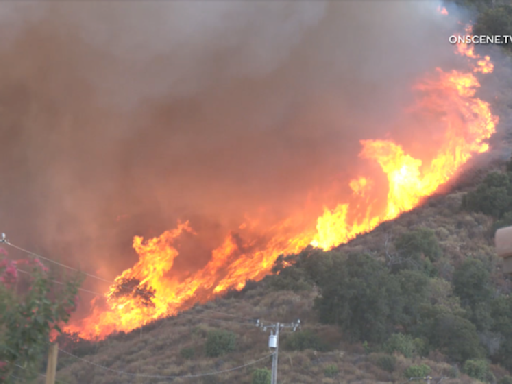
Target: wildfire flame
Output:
[(145, 293), (483, 65)]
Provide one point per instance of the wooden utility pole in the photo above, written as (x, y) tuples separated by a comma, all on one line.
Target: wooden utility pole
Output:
[(51, 371)]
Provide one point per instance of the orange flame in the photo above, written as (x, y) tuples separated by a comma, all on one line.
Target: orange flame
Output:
[(484, 65), (468, 122)]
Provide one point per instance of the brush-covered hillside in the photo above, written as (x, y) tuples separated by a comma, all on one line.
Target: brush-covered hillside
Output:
[(421, 295)]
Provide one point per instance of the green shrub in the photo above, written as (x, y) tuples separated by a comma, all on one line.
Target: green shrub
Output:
[(359, 294), (472, 283), (422, 241), (477, 369), (420, 347), (417, 371), (220, 342), (492, 197), (384, 361), (290, 279), (300, 341), (187, 353), (453, 335), (505, 380), (331, 371), (403, 344), (261, 376)]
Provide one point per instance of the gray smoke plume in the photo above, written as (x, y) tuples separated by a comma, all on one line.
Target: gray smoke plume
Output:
[(118, 118)]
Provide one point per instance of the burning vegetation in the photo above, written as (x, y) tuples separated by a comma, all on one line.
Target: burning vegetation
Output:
[(149, 290)]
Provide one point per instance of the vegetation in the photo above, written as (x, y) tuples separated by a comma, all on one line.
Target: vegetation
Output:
[(384, 361), (30, 312), (417, 371), (220, 342), (261, 376), (188, 353), (403, 344), (478, 369), (331, 371), (495, 21), (300, 341)]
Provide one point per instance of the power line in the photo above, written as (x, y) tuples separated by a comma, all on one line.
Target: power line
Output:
[(60, 282), (168, 377), (19, 366), (5, 241)]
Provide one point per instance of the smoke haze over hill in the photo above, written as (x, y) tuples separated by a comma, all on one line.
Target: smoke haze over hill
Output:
[(119, 118)]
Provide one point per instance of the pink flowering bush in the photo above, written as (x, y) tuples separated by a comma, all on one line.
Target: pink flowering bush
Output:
[(31, 308)]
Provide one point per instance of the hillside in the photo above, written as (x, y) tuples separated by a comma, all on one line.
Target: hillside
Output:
[(178, 346)]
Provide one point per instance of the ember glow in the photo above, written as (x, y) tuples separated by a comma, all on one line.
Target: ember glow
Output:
[(147, 291)]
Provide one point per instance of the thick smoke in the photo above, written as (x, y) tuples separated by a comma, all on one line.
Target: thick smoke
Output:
[(117, 118)]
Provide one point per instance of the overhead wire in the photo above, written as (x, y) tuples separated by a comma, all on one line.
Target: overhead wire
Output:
[(60, 282), (168, 377), (5, 241)]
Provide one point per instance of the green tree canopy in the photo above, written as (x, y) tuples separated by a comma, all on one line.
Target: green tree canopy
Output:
[(29, 316), (360, 295), (453, 335), (412, 246), (492, 197)]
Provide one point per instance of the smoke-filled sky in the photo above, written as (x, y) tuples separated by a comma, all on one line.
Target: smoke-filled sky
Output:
[(155, 111)]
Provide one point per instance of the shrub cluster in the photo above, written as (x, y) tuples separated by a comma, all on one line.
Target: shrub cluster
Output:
[(220, 342)]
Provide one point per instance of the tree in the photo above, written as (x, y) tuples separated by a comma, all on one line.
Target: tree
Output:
[(472, 284), (492, 197), (501, 313), (414, 292), (454, 336), (31, 315), (477, 369), (416, 250), (360, 295), (416, 243)]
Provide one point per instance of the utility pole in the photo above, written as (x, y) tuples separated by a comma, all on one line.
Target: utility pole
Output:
[(52, 363), (273, 342)]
